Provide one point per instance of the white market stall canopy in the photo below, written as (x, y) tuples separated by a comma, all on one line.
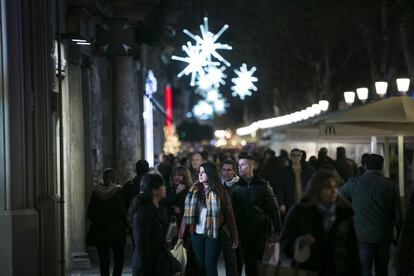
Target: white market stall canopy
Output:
[(389, 117)]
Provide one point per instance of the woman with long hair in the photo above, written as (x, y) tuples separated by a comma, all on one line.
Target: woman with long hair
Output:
[(180, 183), (106, 211), (151, 256), (319, 232), (208, 213)]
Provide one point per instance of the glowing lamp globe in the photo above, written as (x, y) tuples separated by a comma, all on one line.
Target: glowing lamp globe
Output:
[(362, 94), (403, 84), (349, 97), (324, 105), (381, 88)]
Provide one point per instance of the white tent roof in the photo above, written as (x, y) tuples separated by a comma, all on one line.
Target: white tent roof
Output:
[(388, 117), (390, 110)]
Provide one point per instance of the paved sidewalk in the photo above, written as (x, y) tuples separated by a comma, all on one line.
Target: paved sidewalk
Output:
[(94, 270)]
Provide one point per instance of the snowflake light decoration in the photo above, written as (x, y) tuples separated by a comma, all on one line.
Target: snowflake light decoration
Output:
[(195, 61), (203, 110), (212, 77), (203, 58), (208, 44), (216, 99), (243, 83), (220, 106), (212, 95)]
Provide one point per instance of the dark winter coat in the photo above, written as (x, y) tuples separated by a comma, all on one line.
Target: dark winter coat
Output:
[(131, 189), (346, 168), (334, 253), (255, 207), (404, 258), (376, 203), (174, 200), (286, 188), (107, 213), (151, 256)]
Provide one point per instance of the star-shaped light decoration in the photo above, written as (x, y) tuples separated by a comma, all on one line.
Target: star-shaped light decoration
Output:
[(203, 58), (212, 78), (208, 44), (244, 82), (203, 110), (195, 61), (220, 106)]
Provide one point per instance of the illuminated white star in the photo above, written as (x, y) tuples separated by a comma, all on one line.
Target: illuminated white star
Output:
[(203, 110), (243, 83), (208, 44), (212, 77), (213, 95), (195, 61), (220, 106)]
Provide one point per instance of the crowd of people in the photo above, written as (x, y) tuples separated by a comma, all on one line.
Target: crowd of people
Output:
[(330, 216)]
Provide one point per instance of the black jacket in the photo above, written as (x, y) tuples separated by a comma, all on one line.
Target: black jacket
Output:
[(107, 214), (334, 253), (286, 188), (151, 256), (255, 207)]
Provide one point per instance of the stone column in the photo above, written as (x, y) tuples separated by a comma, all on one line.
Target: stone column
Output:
[(75, 167), (126, 117), (97, 122)]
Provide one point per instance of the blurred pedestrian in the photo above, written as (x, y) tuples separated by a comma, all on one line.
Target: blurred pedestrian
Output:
[(319, 232), (195, 162), (180, 183), (164, 166), (404, 258), (293, 181), (257, 213), (106, 211), (346, 167), (363, 167), (229, 175), (375, 201), (151, 256), (323, 158), (232, 257), (209, 214), (131, 188)]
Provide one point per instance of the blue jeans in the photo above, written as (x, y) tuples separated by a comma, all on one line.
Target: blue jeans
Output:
[(377, 254), (206, 253)]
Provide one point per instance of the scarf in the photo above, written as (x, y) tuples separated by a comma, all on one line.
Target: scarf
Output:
[(231, 182), (328, 214), (191, 211)]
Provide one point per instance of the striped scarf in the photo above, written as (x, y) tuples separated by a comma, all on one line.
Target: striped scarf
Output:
[(191, 211)]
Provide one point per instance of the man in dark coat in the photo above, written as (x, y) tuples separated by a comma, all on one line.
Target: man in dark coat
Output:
[(232, 257), (346, 167), (293, 181), (131, 188), (256, 211), (376, 204)]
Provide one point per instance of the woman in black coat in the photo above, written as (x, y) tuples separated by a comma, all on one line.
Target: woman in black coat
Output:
[(151, 256), (106, 211), (319, 231)]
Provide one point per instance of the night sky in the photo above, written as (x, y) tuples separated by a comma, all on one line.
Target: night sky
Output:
[(303, 50)]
